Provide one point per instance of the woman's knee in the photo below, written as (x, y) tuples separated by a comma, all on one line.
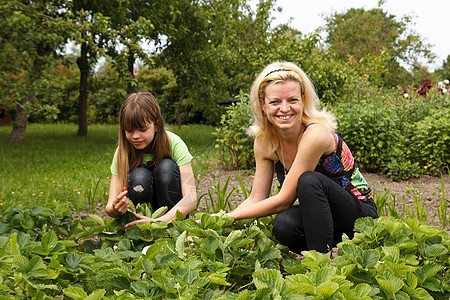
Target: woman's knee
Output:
[(307, 179), (287, 227)]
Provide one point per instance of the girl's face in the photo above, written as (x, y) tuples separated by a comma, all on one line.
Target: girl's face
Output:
[(283, 104), (141, 138)]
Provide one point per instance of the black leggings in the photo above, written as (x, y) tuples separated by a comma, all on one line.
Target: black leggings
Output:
[(159, 188), (325, 212)]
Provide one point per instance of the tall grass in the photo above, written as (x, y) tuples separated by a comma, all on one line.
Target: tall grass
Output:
[(54, 164)]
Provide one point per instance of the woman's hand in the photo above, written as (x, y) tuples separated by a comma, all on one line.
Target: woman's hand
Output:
[(119, 205), (142, 219)]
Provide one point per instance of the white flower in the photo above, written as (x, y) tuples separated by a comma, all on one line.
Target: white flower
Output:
[(115, 247), (144, 250), (446, 81), (405, 95), (440, 84), (444, 91)]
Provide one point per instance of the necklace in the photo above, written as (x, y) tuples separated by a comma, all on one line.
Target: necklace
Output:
[(285, 161)]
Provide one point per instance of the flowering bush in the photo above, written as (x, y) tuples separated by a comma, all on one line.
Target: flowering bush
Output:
[(443, 87)]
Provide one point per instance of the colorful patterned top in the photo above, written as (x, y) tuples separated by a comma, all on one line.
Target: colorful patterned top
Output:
[(340, 167)]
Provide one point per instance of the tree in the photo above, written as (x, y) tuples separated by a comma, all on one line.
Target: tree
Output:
[(91, 30), (444, 71), (136, 22), (357, 32), (30, 33)]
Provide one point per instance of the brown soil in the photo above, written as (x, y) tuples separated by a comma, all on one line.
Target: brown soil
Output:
[(426, 189)]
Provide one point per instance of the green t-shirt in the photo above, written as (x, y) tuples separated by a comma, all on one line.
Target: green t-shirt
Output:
[(178, 150)]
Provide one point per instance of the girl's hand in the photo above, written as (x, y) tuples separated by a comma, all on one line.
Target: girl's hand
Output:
[(119, 205), (142, 219)]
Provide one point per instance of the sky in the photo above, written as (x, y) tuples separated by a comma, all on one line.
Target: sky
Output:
[(431, 17)]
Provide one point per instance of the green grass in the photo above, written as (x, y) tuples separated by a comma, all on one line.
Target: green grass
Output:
[(54, 164)]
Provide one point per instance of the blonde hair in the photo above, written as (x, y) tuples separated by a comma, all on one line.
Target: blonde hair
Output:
[(137, 111), (277, 72)]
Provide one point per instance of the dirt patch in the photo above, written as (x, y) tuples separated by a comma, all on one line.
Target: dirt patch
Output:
[(426, 190)]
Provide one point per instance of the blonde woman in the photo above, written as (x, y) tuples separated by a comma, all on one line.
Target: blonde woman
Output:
[(296, 140), (150, 165)]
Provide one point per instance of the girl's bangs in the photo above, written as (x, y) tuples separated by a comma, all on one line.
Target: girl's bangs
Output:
[(134, 118)]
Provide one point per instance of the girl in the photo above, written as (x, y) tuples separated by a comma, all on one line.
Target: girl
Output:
[(313, 164), (154, 164)]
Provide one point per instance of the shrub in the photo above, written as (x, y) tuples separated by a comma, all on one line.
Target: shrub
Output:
[(433, 141), (235, 145), (400, 137)]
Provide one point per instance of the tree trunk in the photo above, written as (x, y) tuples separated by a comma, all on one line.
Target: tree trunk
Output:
[(179, 107), (20, 121), (130, 64), (83, 65)]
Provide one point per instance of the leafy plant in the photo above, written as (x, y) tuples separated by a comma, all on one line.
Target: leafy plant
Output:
[(233, 141), (222, 199), (215, 258)]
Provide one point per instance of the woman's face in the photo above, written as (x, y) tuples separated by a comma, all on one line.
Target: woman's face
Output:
[(283, 104), (141, 138)]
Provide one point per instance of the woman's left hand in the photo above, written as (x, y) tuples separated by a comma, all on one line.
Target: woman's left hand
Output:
[(142, 219)]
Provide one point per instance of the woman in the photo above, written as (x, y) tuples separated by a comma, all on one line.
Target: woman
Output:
[(154, 164), (297, 141)]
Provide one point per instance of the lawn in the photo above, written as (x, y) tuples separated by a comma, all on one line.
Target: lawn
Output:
[(54, 164)]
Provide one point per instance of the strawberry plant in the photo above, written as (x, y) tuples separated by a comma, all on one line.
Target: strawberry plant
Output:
[(46, 254)]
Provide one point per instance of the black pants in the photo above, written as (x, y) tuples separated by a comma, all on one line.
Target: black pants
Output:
[(159, 188), (325, 212)]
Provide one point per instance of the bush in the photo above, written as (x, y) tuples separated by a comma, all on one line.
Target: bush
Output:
[(235, 145), (433, 142), (400, 137)]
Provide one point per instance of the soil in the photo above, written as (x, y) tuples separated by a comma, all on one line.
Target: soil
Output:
[(426, 190)]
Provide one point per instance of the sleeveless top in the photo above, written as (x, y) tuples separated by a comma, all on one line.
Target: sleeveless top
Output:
[(338, 166)]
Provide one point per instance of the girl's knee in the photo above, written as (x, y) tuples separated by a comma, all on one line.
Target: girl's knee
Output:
[(139, 175), (166, 170), (139, 185)]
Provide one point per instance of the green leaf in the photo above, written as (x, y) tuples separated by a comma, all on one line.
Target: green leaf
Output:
[(73, 260), (325, 274), (233, 239), (159, 212), (411, 280), (218, 279), (268, 278), (389, 283), (179, 246), (327, 289), (362, 290), (391, 253), (432, 251), (11, 247), (141, 287), (49, 241), (421, 294), (37, 268), (75, 293), (96, 295), (154, 249), (97, 219), (370, 258), (427, 271)]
